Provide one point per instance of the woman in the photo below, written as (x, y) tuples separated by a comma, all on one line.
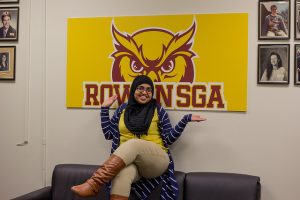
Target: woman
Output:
[(141, 132), (274, 70), (3, 64)]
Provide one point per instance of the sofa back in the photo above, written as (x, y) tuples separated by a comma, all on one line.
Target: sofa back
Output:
[(67, 175), (192, 186), (221, 186)]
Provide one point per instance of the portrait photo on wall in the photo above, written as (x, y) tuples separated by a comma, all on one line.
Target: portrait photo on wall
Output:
[(297, 20), (9, 23), (273, 64), (297, 65), (9, 1), (274, 20), (7, 62)]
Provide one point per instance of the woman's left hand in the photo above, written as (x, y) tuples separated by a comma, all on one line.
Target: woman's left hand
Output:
[(197, 118)]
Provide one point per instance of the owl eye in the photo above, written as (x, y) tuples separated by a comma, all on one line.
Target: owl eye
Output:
[(168, 66), (136, 67)]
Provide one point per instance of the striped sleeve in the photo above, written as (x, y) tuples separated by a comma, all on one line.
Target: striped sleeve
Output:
[(172, 134), (109, 126)]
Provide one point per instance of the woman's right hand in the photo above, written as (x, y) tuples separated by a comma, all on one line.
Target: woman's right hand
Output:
[(109, 101)]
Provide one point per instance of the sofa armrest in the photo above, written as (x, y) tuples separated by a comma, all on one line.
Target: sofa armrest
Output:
[(41, 194)]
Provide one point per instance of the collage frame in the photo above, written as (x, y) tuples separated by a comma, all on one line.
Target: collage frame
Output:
[(280, 12)]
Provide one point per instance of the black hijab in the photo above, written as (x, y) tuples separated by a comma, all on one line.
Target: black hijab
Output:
[(138, 116)]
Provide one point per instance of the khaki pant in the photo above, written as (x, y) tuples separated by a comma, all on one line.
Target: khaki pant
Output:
[(143, 159)]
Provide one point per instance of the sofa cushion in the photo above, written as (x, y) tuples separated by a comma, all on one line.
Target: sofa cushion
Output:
[(66, 175), (221, 186), (155, 195)]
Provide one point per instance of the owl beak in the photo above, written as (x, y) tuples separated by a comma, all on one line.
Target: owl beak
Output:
[(154, 77)]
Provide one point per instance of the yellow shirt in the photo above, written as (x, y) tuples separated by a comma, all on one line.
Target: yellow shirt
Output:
[(153, 132)]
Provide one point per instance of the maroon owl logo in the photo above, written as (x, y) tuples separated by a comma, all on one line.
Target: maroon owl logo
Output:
[(155, 52)]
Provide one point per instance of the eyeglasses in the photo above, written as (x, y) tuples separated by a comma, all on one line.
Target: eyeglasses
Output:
[(141, 89)]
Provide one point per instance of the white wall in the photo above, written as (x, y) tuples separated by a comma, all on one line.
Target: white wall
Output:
[(264, 141), (22, 107)]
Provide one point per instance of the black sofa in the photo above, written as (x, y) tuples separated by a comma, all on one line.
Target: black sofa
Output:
[(193, 185)]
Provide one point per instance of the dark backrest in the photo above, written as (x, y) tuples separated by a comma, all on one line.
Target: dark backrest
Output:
[(67, 175), (221, 186), (192, 186)]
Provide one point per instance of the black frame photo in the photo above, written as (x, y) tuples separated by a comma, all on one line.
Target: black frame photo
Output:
[(297, 65), (9, 1), (297, 20), (274, 20), (7, 62), (9, 27), (273, 64)]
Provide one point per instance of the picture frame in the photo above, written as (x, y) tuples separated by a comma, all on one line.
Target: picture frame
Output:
[(297, 20), (274, 20), (9, 26), (7, 62), (297, 65), (8, 1), (273, 64)]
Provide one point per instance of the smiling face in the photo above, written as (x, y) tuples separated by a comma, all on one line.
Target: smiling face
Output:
[(143, 93), (6, 22), (3, 58), (274, 9), (274, 60)]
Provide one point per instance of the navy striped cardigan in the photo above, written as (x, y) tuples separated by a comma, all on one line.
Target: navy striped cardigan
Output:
[(144, 187)]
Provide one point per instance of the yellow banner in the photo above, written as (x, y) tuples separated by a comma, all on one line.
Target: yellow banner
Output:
[(196, 61)]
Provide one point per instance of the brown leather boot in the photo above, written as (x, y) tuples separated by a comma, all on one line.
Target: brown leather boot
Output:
[(117, 197), (103, 175)]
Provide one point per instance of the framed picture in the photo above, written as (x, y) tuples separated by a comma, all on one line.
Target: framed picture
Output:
[(273, 64), (274, 20), (297, 65), (9, 26), (9, 1), (7, 62), (297, 20)]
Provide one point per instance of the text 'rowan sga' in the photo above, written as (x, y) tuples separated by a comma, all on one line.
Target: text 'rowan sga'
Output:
[(201, 96)]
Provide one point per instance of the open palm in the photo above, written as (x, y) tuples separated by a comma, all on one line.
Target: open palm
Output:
[(109, 101), (197, 118)]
